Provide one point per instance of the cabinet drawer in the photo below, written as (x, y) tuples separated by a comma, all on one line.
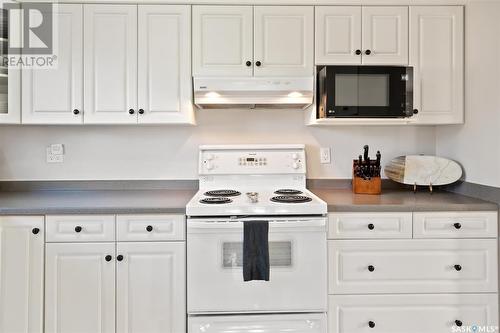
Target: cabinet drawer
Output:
[(150, 227), (370, 225), (80, 228), (455, 225), (411, 313), (412, 266)]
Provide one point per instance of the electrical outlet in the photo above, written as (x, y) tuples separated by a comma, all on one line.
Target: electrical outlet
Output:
[(324, 155), (54, 158)]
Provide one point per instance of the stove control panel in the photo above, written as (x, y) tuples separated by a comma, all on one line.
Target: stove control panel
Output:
[(255, 161)]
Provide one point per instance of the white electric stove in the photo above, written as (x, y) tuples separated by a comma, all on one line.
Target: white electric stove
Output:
[(239, 183)]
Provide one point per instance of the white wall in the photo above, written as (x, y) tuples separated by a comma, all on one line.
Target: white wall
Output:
[(163, 152), (476, 145)]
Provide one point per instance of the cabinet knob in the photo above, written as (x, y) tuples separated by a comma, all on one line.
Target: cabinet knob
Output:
[(457, 225), (78, 228), (249, 63), (358, 52), (131, 111), (458, 323), (458, 268), (368, 52), (108, 257), (149, 228), (76, 111), (258, 63), (371, 226), (141, 111), (371, 268), (415, 111), (119, 257), (371, 324), (35, 231)]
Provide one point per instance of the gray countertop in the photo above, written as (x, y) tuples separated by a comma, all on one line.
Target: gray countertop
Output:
[(173, 201)]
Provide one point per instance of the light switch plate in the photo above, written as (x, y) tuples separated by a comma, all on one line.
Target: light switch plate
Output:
[(324, 155)]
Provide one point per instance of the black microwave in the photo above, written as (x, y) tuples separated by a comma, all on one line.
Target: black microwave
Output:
[(365, 92)]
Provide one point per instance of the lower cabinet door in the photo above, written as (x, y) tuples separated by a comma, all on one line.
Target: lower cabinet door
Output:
[(151, 287), (413, 313), (80, 288), (21, 274), (276, 323)]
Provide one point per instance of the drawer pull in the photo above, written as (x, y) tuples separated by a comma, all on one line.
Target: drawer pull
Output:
[(119, 257), (371, 268), (458, 268), (78, 228), (371, 324), (149, 228), (371, 226), (108, 258), (35, 231), (457, 225), (458, 323)]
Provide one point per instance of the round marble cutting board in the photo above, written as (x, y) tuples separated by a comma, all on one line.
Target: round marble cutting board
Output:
[(423, 170)]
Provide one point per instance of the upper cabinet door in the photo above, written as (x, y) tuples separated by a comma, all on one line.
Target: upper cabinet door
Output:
[(385, 35), (338, 35), (21, 274), (55, 96), (283, 40), (80, 288), (110, 58), (222, 41), (151, 281), (164, 68), (10, 77), (437, 55)]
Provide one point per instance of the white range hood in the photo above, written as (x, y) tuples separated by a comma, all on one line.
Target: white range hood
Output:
[(253, 92)]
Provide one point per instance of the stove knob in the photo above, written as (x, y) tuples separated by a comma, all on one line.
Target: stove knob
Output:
[(295, 156), (295, 165), (209, 157), (210, 166)]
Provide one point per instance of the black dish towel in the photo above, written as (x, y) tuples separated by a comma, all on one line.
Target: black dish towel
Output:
[(255, 250)]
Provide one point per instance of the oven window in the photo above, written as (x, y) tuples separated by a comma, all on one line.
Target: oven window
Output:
[(280, 254), (362, 89)]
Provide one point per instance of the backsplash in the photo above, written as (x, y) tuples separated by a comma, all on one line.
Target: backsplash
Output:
[(171, 152)]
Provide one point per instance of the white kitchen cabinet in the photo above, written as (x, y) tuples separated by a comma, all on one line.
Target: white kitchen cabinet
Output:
[(437, 55), (21, 274), (164, 68), (369, 225), (385, 35), (55, 95), (150, 284), (222, 41), (110, 64), (250, 41), (10, 78), (80, 288), (355, 35), (283, 40), (412, 313), (416, 266), (338, 35)]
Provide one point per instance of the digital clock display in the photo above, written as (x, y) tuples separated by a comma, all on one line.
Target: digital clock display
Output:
[(250, 159)]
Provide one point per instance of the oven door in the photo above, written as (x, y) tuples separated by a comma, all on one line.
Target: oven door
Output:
[(366, 91), (298, 276)]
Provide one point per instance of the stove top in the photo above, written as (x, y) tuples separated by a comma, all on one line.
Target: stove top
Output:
[(268, 203), (222, 193)]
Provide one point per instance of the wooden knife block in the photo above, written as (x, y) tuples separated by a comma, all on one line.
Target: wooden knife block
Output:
[(365, 186)]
